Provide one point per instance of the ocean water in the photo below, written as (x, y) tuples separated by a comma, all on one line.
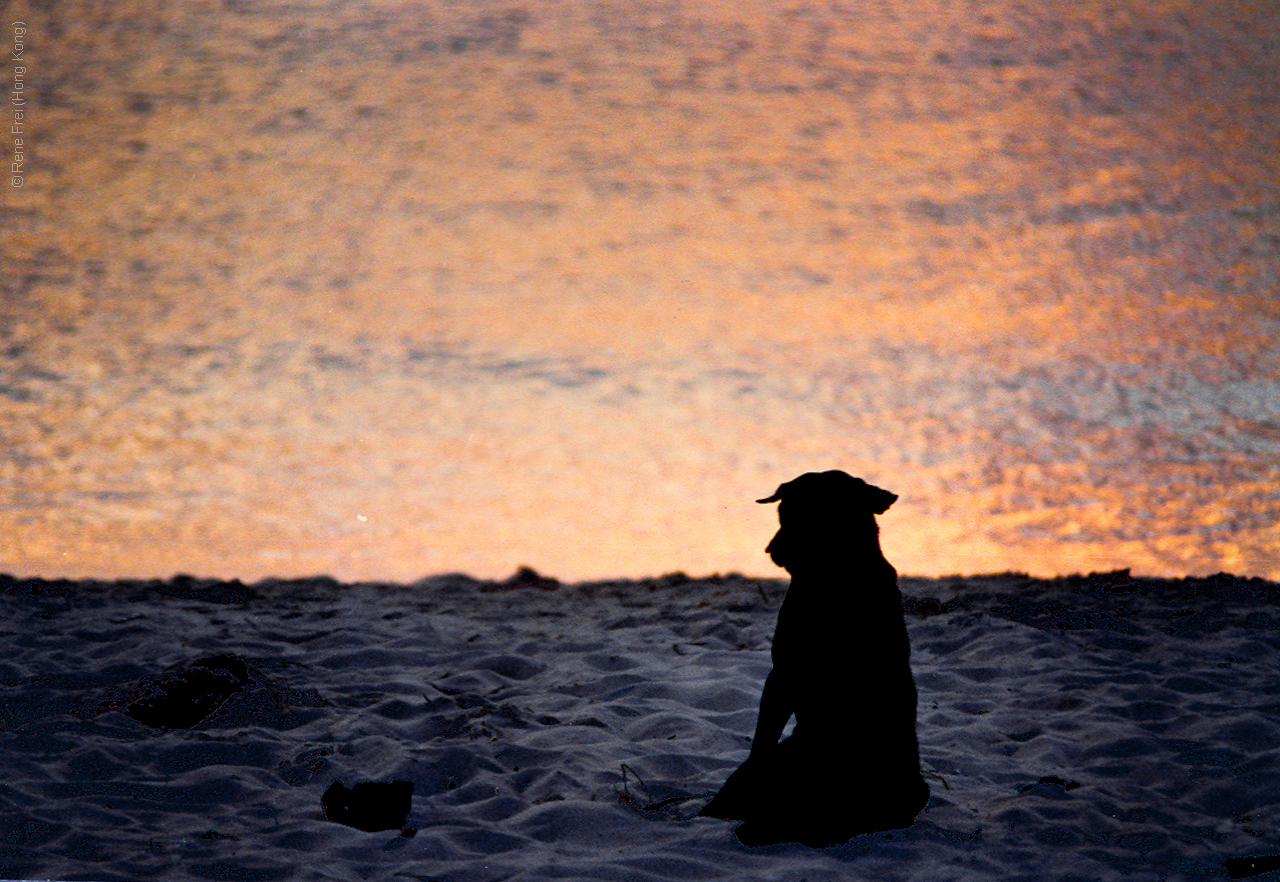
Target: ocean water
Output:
[(386, 289)]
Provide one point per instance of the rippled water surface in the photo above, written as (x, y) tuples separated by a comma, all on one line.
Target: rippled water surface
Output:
[(384, 289)]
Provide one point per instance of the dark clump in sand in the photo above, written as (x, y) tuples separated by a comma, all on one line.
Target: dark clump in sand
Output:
[(1247, 867), (370, 806), (186, 697)]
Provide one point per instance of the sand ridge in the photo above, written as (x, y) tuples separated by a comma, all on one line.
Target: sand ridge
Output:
[(1078, 728)]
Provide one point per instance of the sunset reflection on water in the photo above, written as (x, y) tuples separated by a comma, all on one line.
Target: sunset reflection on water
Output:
[(384, 290)]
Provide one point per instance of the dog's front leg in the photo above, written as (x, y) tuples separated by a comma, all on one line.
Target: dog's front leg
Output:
[(776, 707)]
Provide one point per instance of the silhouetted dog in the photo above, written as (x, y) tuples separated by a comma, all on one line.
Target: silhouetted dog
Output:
[(841, 665)]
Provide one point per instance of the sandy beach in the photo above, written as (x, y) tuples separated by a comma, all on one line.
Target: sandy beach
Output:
[(1093, 727)]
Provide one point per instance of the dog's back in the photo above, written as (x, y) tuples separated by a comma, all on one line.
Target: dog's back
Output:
[(842, 642)]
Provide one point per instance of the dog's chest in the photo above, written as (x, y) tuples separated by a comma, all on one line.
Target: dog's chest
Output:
[(835, 627)]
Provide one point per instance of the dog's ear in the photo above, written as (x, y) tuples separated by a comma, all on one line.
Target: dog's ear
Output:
[(877, 499), (777, 494)]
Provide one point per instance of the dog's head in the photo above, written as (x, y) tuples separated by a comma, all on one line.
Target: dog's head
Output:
[(824, 514), (830, 492)]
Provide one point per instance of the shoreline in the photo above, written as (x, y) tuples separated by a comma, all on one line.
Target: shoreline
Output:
[(918, 591)]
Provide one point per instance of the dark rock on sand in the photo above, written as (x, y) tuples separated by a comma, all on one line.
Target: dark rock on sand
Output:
[(1244, 867), (372, 806)]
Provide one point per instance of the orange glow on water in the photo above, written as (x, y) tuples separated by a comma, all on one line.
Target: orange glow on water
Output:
[(387, 289)]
